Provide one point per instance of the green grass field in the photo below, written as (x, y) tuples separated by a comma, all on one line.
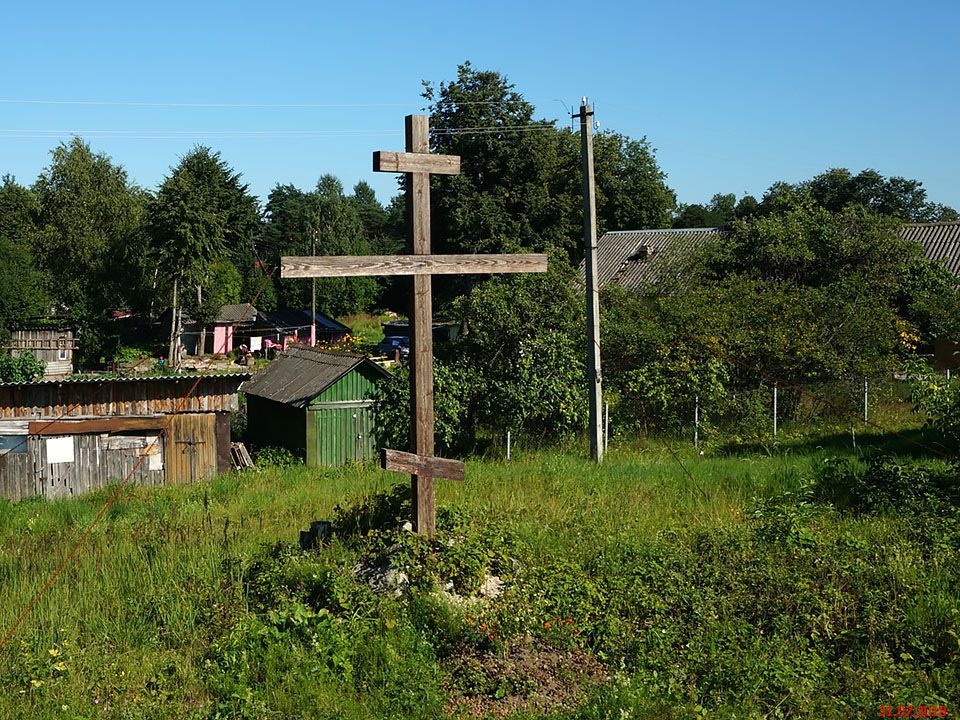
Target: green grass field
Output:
[(693, 586)]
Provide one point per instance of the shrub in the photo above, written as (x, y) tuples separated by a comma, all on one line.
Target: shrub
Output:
[(23, 368), (938, 399), (279, 457), (886, 484)]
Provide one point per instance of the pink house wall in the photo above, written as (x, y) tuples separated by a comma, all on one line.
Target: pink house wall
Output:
[(222, 338)]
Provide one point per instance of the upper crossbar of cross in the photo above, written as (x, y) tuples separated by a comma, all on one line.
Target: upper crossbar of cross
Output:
[(418, 164)]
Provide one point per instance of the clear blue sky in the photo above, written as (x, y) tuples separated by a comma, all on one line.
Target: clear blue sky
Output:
[(733, 95)]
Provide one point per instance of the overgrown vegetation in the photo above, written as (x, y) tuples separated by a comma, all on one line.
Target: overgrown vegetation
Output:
[(813, 300), (817, 575), (815, 583), (85, 240), (23, 368)]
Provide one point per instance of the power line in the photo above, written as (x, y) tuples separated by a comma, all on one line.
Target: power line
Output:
[(206, 132), (129, 103), (215, 106), (132, 135), (13, 134)]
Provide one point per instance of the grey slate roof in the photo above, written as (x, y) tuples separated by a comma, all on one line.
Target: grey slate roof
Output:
[(638, 259), (301, 373), (940, 240), (235, 314)]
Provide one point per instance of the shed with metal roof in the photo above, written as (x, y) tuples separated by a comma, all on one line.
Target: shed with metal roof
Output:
[(280, 324), (60, 438), (940, 240), (318, 404)]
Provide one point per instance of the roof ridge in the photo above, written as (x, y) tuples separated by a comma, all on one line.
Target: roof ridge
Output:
[(933, 223), (324, 351), (130, 379), (650, 231)]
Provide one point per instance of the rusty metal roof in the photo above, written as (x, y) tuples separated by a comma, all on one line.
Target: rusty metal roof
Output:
[(940, 240), (301, 373), (640, 259)]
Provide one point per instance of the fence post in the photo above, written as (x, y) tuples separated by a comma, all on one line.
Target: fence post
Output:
[(774, 409), (508, 445), (866, 401), (606, 426), (696, 422)]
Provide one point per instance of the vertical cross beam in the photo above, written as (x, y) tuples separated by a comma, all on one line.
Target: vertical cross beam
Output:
[(418, 164), (421, 326)]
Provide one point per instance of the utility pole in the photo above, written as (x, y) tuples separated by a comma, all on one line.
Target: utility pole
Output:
[(313, 292), (590, 277)]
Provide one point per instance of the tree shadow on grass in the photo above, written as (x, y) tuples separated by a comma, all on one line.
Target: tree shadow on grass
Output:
[(910, 443)]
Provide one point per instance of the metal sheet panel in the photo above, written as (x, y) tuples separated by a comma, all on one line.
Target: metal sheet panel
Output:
[(302, 373)]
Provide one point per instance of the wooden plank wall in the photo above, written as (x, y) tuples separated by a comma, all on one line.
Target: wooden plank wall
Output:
[(96, 398), (99, 460), (189, 452), (44, 344)]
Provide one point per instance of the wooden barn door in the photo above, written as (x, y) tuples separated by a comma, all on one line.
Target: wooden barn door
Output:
[(191, 450)]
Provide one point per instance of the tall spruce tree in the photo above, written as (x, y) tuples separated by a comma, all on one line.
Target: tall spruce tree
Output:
[(202, 214)]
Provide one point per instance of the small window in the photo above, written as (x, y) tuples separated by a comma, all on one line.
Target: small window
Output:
[(62, 345), (13, 444)]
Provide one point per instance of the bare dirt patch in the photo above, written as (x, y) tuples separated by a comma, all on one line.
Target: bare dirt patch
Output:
[(530, 676)]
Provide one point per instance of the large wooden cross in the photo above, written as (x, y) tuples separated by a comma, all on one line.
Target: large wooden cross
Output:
[(418, 165)]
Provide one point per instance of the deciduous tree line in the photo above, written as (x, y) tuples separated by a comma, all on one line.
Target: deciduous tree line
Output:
[(83, 239), (819, 262)]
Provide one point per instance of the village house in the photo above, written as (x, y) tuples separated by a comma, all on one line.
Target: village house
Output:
[(282, 327), (53, 343), (640, 260), (318, 404), (60, 438), (218, 338), (244, 324)]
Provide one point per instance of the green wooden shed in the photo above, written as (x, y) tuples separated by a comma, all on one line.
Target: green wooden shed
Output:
[(318, 404)]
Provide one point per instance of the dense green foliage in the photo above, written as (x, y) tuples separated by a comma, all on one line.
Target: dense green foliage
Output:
[(937, 399), (23, 368), (803, 296), (835, 190), (720, 211), (521, 182), (23, 286), (84, 240), (516, 364), (91, 241), (838, 189)]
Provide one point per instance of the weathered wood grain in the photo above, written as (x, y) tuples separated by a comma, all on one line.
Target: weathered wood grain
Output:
[(96, 425), (417, 138), (416, 162), (418, 165), (364, 265), (418, 264), (433, 467)]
